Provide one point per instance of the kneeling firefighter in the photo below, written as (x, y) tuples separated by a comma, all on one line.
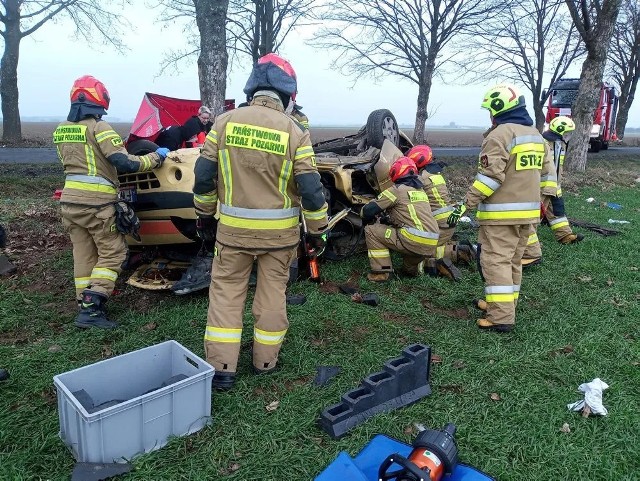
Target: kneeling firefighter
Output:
[(411, 230), (435, 186), (557, 137), (259, 163), (93, 155)]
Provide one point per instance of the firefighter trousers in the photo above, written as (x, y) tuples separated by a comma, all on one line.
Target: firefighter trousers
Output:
[(559, 226), (99, 250), (502, 249), (227, 294), (381, 239)]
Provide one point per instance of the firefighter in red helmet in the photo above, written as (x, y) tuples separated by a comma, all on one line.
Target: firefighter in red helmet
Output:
[(410, 230), (435, 186), (258, 163), (93, 155)]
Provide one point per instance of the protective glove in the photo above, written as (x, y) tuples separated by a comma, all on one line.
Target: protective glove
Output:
[(458, 212), (206, 227), (317, 241), (162, 152)]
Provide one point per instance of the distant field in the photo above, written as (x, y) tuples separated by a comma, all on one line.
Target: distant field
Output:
[(38, 134)]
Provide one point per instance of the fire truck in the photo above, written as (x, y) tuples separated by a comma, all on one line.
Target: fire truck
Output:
[(562, 95)]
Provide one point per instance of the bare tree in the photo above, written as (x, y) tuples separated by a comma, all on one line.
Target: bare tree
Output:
[(93, 19), (210, 46), (213, 57), (529, 42), (258, 27), (595, 20), (624, 59), (402, 38)]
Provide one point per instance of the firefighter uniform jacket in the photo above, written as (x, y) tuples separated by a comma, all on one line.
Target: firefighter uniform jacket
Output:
[(259, 163), (92, 154), (439, 199), (300, 117), (408, 209), (557, 151), (506, 190)]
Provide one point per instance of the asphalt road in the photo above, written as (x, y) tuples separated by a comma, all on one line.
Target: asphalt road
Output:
[(48, 155)]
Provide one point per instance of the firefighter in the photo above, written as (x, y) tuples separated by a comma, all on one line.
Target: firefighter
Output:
[(92, 155), (259, 163), (557, 137), (411, 228), (441, 205), (296, 113), (506, 193)]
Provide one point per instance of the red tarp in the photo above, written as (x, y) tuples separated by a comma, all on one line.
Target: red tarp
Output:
[(157, 112)]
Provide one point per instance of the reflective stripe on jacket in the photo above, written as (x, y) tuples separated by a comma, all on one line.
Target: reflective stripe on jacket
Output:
[(506, 189)]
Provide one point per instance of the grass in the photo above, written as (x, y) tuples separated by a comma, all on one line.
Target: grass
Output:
[(577, 320)]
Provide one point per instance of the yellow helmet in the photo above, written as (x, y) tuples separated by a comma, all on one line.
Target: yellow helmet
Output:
[(562, 125), (501, 99)]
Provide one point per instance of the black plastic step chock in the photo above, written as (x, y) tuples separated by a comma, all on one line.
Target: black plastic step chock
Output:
[(403, 381)]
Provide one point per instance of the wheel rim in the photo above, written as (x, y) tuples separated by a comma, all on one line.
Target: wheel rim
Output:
[(390, 130)]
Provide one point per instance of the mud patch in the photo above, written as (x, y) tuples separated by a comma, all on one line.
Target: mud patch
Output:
[(396, 318), (459, 313), (15, 337), (329, 287)]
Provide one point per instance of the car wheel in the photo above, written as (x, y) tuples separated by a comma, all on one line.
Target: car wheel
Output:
[(141, 147), (605, 145), (595, 146), (382, 125)]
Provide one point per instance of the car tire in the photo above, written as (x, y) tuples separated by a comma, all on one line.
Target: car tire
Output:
[(142, 147), (382, 125), (605, 145), (595, 146)]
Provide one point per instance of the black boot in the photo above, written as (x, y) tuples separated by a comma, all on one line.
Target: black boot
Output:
[(92, 312), (223, 381)]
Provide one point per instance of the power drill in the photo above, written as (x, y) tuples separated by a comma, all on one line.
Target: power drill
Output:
[(434, 454)]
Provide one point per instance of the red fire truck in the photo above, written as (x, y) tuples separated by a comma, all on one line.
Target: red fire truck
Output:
[(562, 95)]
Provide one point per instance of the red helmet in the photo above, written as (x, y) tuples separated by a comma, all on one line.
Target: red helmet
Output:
[(421, 155), (402, 167), (89, 89), (283, 64)]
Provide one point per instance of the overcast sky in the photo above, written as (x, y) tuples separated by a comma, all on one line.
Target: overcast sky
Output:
[(51, 59)]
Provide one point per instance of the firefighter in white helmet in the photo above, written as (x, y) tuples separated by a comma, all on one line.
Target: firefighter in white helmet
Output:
[(557, 137), (506, 193)]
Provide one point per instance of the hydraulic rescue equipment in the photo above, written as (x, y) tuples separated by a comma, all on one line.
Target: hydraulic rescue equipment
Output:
[(434, 455)]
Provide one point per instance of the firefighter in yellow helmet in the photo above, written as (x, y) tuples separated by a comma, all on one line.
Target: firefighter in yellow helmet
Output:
[(411, 229), (93, 155), (557, 137), (260, 165), (506, 193)]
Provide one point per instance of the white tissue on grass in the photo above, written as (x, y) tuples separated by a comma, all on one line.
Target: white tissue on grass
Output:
[(592, 397)]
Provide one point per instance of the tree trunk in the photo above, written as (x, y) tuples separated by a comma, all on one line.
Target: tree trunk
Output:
[(11, 128), (539, 114), (597, 43), (582, 112), (424, 90), (213, 58), (625, 105)]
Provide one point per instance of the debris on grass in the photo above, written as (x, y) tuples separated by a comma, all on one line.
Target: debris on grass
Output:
[(616, 221), (592, 402), (585, 278), (54, 348), (495, 396), (325, 374), (435, 359), (272, 406), (150, 326), (565, 428), (459, 364), (568, 349)]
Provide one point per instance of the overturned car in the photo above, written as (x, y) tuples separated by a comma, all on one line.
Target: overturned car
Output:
[(354, 169)]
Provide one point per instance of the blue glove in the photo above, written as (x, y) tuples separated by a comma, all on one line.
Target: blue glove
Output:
[(454, 217), (162, 152)]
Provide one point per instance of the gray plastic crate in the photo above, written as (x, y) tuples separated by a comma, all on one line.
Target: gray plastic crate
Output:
[(143, 422)]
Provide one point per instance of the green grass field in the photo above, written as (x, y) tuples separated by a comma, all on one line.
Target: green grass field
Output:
[(578, 318)]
